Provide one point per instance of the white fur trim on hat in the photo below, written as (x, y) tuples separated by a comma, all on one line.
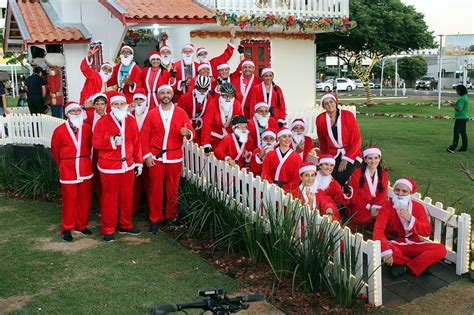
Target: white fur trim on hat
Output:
[(204, 65), (283, 132), (265, 70), (268, 133), (165, 87), (261, 104), (127, 47), (307, 168), (298, 122), (372, 151), (96, 95), (165, 47), (223, 66), (327, 160), (325, 96), (107, 64), (201, 50), (118, 98), (71, 106), (404, 182), (154, 56), (188, 46), (248, 62), (139, 95)]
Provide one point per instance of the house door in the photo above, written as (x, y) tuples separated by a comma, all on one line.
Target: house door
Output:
[(258, 51)]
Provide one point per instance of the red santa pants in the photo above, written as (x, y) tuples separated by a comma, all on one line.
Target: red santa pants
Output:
[(160, 173), (142, 182), (76, 205), (96, 185), (418, 257), (359, 216), (117, 192)]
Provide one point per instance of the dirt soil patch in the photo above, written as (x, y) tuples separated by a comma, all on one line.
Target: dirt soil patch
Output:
[(4, 209), (134, 240), (262, 307), (60, 246), (16, 302)]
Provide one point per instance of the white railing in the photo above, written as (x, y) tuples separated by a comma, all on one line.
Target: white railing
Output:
[(19, 110), (305, 8)]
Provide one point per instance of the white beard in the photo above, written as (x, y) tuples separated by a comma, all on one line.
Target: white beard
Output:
[(243, 136), (262, 120), (166, 60), (140, 109), (120, 114), (225, 105), (323, 182), (200, 96), (203, 59), (126, 61), (401, 202), (297, 137), (76, 120), (269, 146), (105, 76), (188, 59)]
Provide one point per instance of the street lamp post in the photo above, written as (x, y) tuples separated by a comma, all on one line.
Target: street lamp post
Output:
[(440, 63), (381, 77)]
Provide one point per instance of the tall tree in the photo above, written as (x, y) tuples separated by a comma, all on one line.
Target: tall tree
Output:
[(411, 68), (384, 27)]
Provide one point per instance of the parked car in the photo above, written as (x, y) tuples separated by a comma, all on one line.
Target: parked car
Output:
[(343, 84), (426, 82), (359, 84), (324, 86), (468, 85)]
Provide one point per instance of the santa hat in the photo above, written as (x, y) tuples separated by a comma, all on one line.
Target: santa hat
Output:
[(154, 55), (201, 50), (127, 47), (96, 95), (223, 66), (164, 87), (70, 106), (326, 158), (261, 104), (140, 93), (307, 167), (248, 62), (238, 120), (107, 64), (297, 122), (204, 65), (372, 150), (407, 181), (188, 46), (165, 47), (117, 97), (328, 95), (268, 132), (55, 59), (283, 131), (265, 70)]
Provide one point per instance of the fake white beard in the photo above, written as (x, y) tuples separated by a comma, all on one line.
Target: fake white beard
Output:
[(199, 96), (188, 59), (243, 136), (140, 109), (323, 181), (105, 76), (120, 113), (297, 137), (203, 59), (269, 146), (225, 105), (126, 61), (76, 120), (262, 120), (401, 202), (165, 60)]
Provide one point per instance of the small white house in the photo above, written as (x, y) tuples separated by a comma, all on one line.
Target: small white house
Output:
[(276, 33)]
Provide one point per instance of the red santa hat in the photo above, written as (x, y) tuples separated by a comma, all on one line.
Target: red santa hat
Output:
[(140, 93), (154, 55), (117, 97), (326, 159), (269, 132), (298, 122), (70, 106), (328, 95), (204, 65), (307, 167), (248, 62), (223, 66), (164, 87), (96, 95), (284, 131), (165, 47), (201, 50), (127, 47), (265, 70), (261, 104), (107, 64), (407, 181), (372, 150), (191, 46)]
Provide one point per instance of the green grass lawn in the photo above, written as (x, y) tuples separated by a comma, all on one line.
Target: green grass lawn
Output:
[(125, 277), (425, 108)]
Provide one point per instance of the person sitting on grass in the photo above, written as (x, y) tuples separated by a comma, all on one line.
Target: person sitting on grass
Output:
[(461, 117), (401, 227)]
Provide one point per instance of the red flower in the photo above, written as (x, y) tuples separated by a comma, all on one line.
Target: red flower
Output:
[(317, 294), (363, 296), (243, 24), (291, 20), (271, 17)]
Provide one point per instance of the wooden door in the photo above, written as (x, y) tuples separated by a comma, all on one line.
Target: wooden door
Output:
[(258, 51)]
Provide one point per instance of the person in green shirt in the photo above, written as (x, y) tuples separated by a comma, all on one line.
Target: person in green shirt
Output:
[(461, 117)]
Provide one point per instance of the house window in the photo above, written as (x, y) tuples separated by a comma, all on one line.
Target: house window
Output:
[(258, 51)]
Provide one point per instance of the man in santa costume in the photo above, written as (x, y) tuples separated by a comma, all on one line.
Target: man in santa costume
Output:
[(96, 82), (267, 91), (402, 226), (261, 120), (186, 69), (217, 118), (117, 143), (268, 144), (202, 55), (236, 148), (71, 150), (195, 103), (244, 84), (281, 166), (302, 144), (339, 136), (330, 186), (54, 80), (204, 70), (155, 76), (127, 75), (162, 138), (166, 55)]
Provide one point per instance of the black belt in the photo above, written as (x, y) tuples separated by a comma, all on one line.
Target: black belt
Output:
[(280, 183), (76, 157), (159, 155)]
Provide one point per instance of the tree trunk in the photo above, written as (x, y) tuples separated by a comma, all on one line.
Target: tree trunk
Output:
[(364, 75)]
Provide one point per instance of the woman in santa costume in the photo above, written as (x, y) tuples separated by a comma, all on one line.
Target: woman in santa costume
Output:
[(236, 148), (270, 93), (268, 144), (217, 118), (117, 143), (370, 184), (244, 84), (281, 166), (330, 186), (302, 144), (127, 75), (162, 138), (260, 121), (339, 136), (71, 150), (155, 76), (402, 227)]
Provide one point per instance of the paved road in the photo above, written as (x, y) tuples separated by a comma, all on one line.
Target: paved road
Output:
[(409, 92)]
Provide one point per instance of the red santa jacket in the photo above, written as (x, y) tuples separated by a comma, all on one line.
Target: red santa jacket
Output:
[(135, 74), (321, 202), (333, 189), (215, 125), (283, 170), (390, 228), (72, 153), (368, 195), (55, 85), (117, 159), (192, 84), (275, 99), (244, 95), (92, 117), (181, 76), (348, 142), (140, 119), (230, 148), (255, 132), (165, 142), (308, 146), (93, 83), (162, 77), (223, 58)]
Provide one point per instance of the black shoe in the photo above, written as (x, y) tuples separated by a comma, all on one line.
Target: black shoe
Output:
[(153, 228), (398, 270), (450, 150), (427, 272), (67, 236), (462, 150), (108, 238), (132, 231), (177, 223), (85, 232)]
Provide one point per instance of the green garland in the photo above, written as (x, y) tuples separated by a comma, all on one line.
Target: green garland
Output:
[(301, 24)]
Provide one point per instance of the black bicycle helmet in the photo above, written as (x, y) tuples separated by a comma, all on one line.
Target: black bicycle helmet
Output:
[(227, 88)]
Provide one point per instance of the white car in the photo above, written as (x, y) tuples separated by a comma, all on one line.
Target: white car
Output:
[(468, 85), (343, 84), (324, 86), (359, 84)]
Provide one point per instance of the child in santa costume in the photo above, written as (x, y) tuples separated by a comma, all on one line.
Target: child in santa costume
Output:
[(71, 150), (155, 76), (260, 121), (117, 143), (127, 75), (162, 138), (268, 144), (96, 82), (402, 226), (244, 84), (186, 69), (328, 184), (339, 136), (302, 144), (217, 118), (270, 93), (236, 148), (370, 184), (281, 166)]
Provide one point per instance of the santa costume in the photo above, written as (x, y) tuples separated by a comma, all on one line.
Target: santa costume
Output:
[(329, 185), (257, 162), (257, 124), (71, 150), (153, 78), (218, 60), (54, 82), (213, 81), (297, 138), (96, 82), (244, 86), (406, 240), (184, 69)]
